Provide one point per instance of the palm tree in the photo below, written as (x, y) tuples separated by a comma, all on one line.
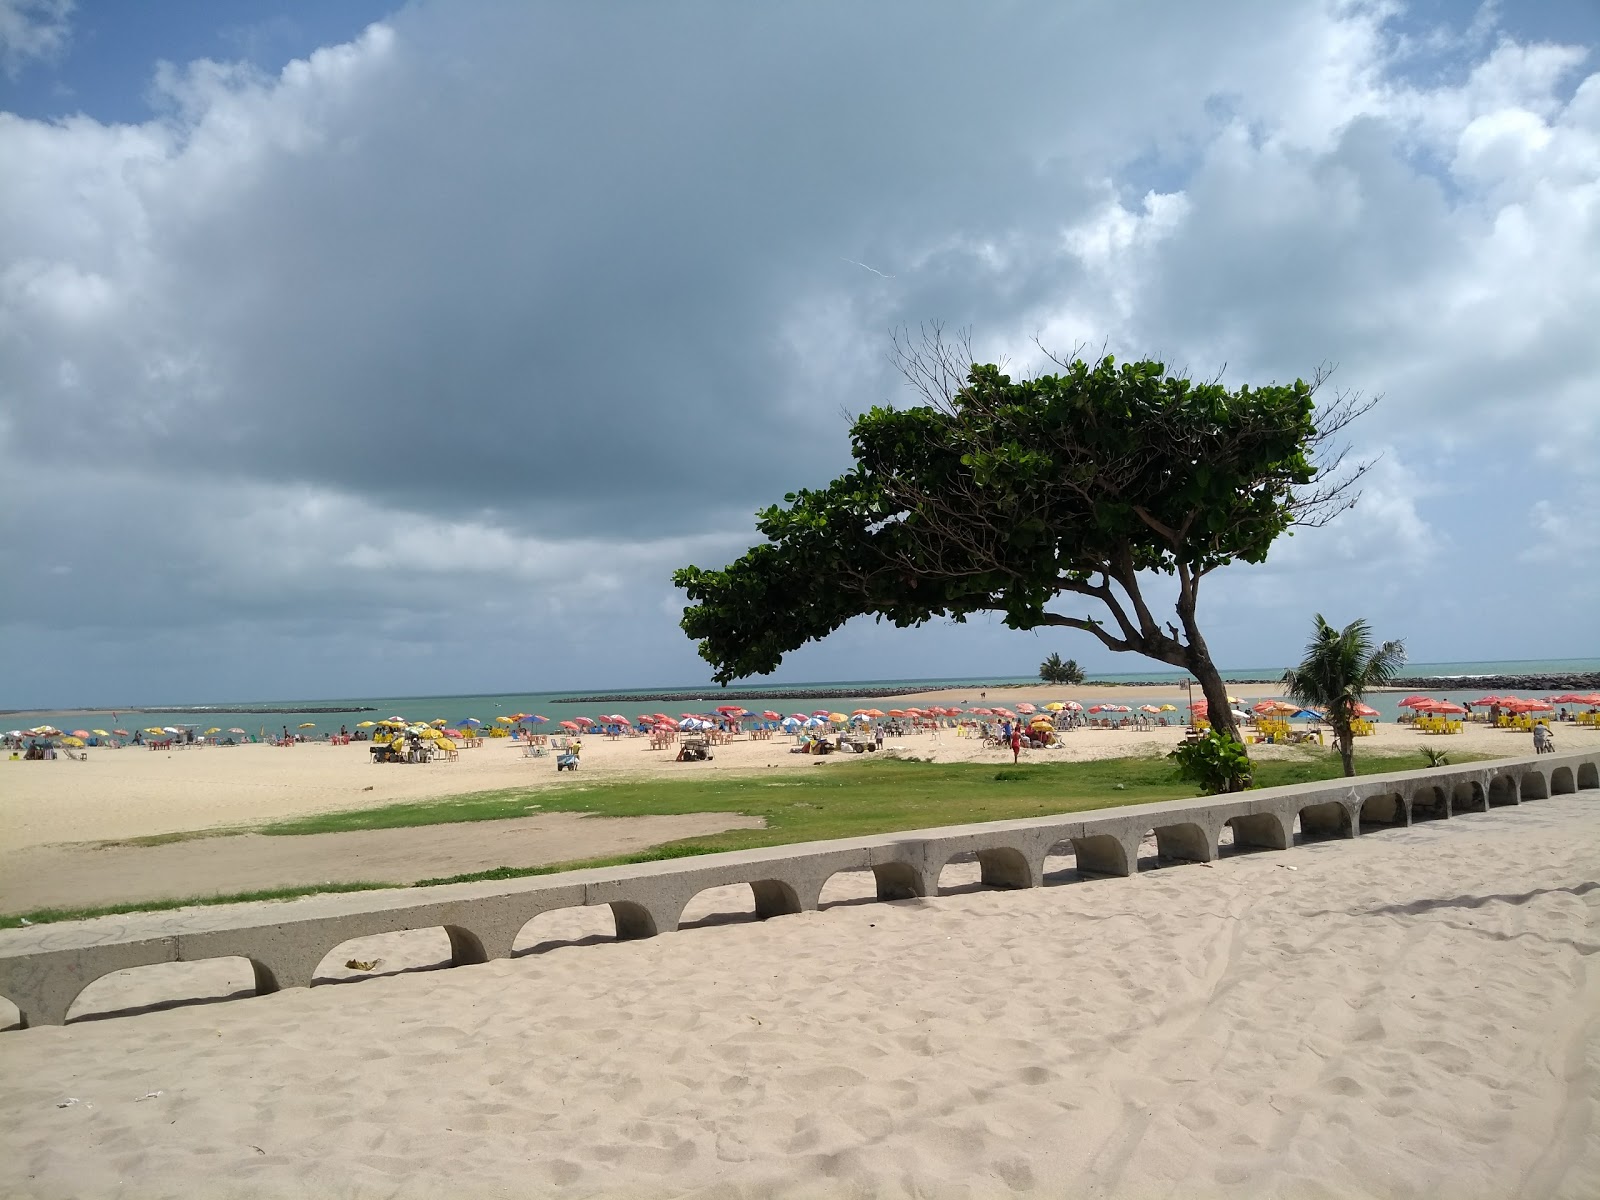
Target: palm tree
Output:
[(1339, 666)]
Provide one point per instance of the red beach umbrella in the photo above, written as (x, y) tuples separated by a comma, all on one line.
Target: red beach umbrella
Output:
[(1591, 698), (1444, 706), (1362, 710), (769, 715), (900, 712), (571, 725), (1567, 698), (1415, 701), (83, 733)]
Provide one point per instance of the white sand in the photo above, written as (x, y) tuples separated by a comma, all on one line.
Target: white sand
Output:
[(136, 792), (1414, 1013)]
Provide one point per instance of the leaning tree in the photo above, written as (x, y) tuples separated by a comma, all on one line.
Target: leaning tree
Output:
[(1002, 495)]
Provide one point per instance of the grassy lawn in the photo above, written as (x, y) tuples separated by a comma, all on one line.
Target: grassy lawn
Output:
[(847, 799)]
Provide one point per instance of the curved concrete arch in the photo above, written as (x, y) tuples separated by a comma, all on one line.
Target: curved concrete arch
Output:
[(1562, 782), (1331, 818), (1588, 776), (776, 898), (634, 920), (1005, 867), (1428, 803), (1262, 831), (1187, 841), (1468, 796), (1105, 854), (1534, 786), (899, 880), (1503, 791), (1385, 810)]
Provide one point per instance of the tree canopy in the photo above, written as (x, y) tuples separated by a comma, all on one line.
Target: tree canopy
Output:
[(1001, 495)]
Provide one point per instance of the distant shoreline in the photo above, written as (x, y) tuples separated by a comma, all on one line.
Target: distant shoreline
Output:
[(193, 710)]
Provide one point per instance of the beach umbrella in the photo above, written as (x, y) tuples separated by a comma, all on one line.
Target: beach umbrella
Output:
[(838, 718), (814, 722), (790, 723), (1305, 714), (1444, 706), (900, 712), (308, 725), (1590, 698), (473, 721), (121, 733), (731, 710), (52, 731), (572, 725), (1149, 708), (505, 720), (913, 712), (80, 733), (1054, 706), (154, 729), (72, 741), (440, 721), (236, 730), (583, 720), (1567, 698), (1414, 701), (102, 733), (213, 729), (444, 742), (1169, 708), (858, 712), (1364, 710), (769, 715), (359, 725), (1026, 709)]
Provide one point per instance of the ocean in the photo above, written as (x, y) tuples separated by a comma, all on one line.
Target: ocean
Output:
[(346, 710)]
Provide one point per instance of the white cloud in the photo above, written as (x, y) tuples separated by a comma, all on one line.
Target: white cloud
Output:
[(33, 29)]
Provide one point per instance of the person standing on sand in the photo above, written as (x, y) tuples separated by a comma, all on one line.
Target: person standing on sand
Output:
[(1016, 742)]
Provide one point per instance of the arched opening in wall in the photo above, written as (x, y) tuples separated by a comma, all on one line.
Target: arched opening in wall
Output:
[(1061, 864), (732, 904), (858, 885), (379, 954), (1467, 796), (1534, 786), (1003, 867), (1561, 783), (580, 925), (960, 874), (1104, 854), (10, 1015), (1588, 776), (164, 985), (1429, 804), (1184, 842), (1502, 791), (1259, 831), (1318, 821), (1385, 811), (899, 881)]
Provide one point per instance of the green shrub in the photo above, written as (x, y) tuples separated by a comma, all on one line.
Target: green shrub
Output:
[(1215, 762)]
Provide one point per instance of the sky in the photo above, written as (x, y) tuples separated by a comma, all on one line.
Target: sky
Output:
[(352, 350)]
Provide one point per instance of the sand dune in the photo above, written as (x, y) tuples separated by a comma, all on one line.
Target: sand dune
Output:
[(1413, 1013)]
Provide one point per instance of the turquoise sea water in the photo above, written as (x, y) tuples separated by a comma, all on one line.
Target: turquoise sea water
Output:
[(487, 707)]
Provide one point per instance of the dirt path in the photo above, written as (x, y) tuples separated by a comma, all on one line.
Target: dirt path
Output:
[(83, 875)]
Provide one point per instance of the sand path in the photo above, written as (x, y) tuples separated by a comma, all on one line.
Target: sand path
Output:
[(1412, 1013), (86, 874)]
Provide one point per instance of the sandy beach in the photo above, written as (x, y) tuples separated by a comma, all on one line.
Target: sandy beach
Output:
[(1413, 1013)]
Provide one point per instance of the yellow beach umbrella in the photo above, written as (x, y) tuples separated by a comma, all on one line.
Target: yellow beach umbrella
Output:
[(102, 733), (365, 724), (69, 740), (440, 721), (444, 743), (1054, 706), (209, 732), (308, 725), (507, 720), (154, 729)]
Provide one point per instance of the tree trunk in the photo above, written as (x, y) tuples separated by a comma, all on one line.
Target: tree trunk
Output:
[(1218, 711), (1347, 747)]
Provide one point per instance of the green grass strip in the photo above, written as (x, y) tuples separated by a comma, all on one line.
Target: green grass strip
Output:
[(46, 916)]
